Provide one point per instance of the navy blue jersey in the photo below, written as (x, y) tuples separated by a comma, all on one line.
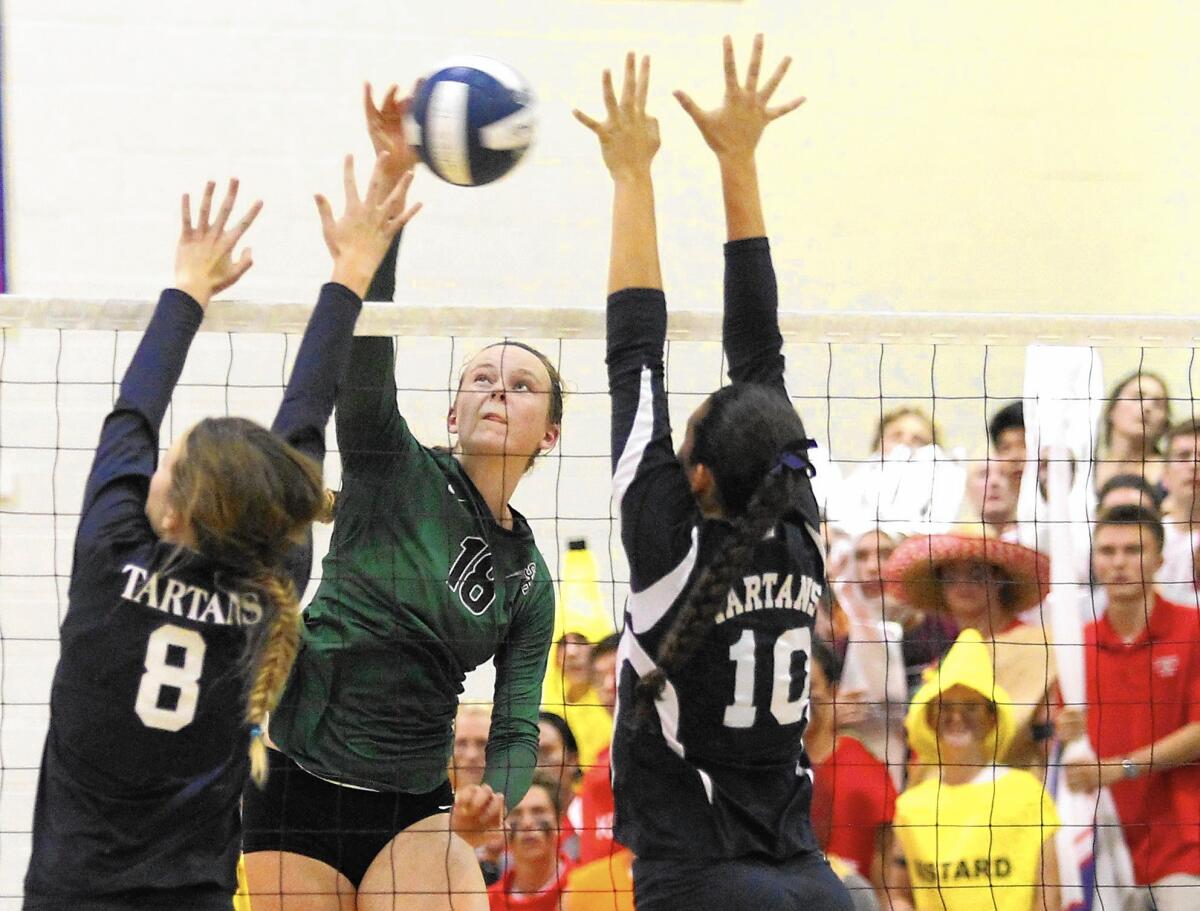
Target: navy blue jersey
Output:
[(718, 770), (147, 748)]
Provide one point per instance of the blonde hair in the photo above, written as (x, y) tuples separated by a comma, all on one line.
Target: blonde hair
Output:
[(249, 497), (276, 654), (894, 415)]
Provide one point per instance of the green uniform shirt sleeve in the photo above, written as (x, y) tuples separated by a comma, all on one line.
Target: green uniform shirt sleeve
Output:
[(520, 668), (372, 436)]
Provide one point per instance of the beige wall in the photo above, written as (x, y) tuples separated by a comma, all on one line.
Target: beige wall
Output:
[(1020, 155)]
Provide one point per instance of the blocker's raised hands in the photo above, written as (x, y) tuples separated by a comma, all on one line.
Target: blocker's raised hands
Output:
[(734, 128), (628, 136), (204, 263), (358, 240)]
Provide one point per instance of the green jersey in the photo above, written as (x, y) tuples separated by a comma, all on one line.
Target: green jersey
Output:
[(420, 586)]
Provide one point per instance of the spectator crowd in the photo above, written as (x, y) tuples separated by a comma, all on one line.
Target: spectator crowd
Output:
[(943, 750)]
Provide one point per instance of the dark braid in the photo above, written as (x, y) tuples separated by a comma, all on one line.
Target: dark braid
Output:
[(777, 495), (753, 442)]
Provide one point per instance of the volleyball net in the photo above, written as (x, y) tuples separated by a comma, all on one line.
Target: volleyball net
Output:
[(61, 362)]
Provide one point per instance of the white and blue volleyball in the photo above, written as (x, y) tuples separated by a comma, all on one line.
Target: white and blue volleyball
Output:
[(472, 120)]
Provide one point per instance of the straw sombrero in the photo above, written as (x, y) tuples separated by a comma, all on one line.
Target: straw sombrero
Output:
[(911, 570)]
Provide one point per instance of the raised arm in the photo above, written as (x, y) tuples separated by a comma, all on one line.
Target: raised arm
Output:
[(649, 486), (628, 142), (370, 430), (751, 325), (127, 453), (357, 241)]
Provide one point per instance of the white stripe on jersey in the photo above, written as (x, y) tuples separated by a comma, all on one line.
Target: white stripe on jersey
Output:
[(667, 704), (647, 607), (635, 445), (815, 534)]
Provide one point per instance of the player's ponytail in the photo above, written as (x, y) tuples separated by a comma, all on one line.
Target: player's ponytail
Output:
[(275, 655), (250, 498), (753, 442)]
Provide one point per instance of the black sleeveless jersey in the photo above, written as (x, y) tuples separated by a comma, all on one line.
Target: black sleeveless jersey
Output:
[(717, 770), (146, 753)]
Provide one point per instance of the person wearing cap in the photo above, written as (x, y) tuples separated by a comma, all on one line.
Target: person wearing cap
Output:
[(583, 621), (568, 692), (977, 834), (1142, 661), (985, 584)]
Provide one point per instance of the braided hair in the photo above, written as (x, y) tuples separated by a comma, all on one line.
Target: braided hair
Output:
[(249, 498), (753, 442)]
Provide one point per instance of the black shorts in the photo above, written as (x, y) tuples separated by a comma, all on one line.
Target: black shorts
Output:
[(742, 884), (186, 898), (343, 827)]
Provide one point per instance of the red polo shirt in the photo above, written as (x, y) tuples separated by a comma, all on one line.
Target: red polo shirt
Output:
[(1138, 693)]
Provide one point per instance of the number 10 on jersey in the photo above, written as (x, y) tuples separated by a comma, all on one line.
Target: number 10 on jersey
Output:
[(786, 710)]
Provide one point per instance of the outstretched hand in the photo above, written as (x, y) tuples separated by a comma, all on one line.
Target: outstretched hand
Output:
[(359, 239), (735, 127), (385, 124), (478, 814), (204, 262), (628, 137)]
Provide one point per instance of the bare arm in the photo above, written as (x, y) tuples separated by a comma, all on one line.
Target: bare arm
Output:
[(883, 856), (897, 890), (1047, 897), (1180, 747), (629, 141), (733, 130)]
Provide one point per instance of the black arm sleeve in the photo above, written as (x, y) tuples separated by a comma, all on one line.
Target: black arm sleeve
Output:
[(319, 370), (752, 340), (308, 400), (657, 509), (127, 453)]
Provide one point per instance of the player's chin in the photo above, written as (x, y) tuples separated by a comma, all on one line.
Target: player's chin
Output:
[(498, 444)]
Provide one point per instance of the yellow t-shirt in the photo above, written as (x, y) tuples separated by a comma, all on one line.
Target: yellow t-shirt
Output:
[(975, 845)]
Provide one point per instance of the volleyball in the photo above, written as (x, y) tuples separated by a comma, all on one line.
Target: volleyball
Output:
[(472, 120)]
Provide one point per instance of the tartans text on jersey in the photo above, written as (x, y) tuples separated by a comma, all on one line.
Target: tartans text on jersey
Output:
[(171, 596), (765, 591)]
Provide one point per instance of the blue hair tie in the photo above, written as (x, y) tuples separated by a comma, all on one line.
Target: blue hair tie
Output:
[(256, 731), (794, 457)]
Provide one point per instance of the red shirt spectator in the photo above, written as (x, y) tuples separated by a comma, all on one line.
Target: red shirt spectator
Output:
[(537, 874), (1138, 693), (591, 813), (502, 898), (853, 798)]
